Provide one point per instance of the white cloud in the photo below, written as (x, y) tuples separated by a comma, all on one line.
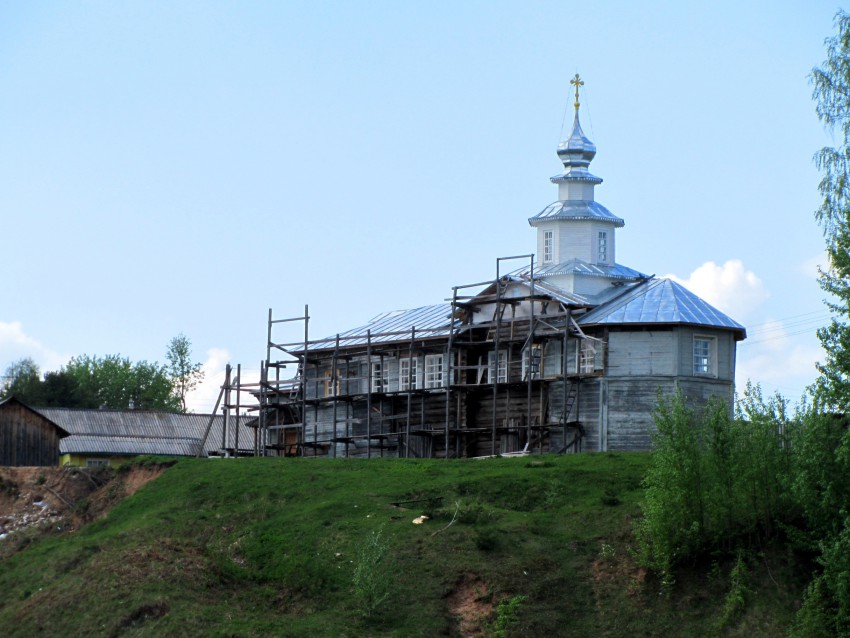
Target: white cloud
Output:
[(730, 287), (15, 344), (810, 266), (203, 398), (788, 370)]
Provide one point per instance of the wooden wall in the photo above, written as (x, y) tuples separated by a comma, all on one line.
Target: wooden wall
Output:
[(26, 438), (614, 405)]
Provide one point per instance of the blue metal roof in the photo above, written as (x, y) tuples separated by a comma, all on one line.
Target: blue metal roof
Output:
[(578, 210), (659, 301), (389, 327)]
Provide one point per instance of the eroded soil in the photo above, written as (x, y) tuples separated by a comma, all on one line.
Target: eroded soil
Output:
[(60, 499)]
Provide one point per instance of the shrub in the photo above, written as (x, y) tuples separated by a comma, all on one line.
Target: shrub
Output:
[(371, 578)]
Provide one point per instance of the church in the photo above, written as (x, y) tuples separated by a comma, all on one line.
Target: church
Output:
[(566, 350)]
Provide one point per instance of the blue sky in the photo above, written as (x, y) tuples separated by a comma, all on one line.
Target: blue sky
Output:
[(172, 167)]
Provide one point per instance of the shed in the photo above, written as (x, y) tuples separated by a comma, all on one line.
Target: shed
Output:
[(27, 437), (109, 437)]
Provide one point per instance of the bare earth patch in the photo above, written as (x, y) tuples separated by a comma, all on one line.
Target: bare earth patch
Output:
[(470, 602), (61, 499)]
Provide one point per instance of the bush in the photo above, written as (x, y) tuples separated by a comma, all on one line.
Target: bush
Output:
[(371, 578), (713, 479)]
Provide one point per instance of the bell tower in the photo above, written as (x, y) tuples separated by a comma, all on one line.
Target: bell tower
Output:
[(576, 243)]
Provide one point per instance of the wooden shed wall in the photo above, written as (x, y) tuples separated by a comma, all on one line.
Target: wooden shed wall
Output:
[(26, 438)]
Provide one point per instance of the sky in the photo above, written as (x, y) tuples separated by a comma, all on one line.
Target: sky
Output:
[(183, 167)]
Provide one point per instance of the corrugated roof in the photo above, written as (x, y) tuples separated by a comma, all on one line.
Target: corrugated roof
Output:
[(128, 431), (121, 445), (660, 301), (578, 209), (429, 321)]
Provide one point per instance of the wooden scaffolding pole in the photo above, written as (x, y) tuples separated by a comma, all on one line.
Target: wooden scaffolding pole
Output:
[(448, 378)]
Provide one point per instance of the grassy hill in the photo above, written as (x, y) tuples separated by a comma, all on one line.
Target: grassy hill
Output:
[(533, 546)]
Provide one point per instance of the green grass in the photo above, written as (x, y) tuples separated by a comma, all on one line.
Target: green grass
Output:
[(260, 547)]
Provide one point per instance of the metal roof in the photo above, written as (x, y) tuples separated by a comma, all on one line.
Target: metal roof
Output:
[(397, 325), (577, 150), (581, 267), (659, 301), (578, 210), (551, 290), (129, 431)]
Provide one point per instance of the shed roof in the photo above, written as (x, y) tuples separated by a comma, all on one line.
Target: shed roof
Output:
[(140, 431), (127, 445), (660, 301)]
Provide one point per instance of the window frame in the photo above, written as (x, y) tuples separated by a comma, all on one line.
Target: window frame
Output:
[(532, 355), (408, 380), (704, 357), (586, 357), (499, 366), (548, 246), (379, 377), (434, 371), (602, 247)]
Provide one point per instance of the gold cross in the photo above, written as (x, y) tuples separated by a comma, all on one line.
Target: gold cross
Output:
[(577, 82)]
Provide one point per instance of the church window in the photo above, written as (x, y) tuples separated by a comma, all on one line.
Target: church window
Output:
[(548, 246), (434, 371), (502, 375), (532, 357), (380, 376), (704, 360), (603, 247), (587, 357), (408, 375)]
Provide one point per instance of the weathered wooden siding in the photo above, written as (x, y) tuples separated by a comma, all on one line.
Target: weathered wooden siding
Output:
[(26, 438), (698, 391), (644, 352), (724, 351), (614, 404), (631, 403)]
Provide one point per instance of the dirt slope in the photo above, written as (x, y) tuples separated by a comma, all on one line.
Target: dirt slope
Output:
[(60, 499)]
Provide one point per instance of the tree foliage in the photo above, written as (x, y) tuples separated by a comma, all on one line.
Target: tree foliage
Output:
[(93, 382), (185, 374), (713, 478), (821, 473), (21, 380), (723, 484), (831, 93), (117, 382)]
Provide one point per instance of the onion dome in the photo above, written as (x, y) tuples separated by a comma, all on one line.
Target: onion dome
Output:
[(577, 150)]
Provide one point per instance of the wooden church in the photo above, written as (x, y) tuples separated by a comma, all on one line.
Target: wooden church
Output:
[(564, 352)]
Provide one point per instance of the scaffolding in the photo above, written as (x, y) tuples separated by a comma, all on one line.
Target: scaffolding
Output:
[(486, 381)]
